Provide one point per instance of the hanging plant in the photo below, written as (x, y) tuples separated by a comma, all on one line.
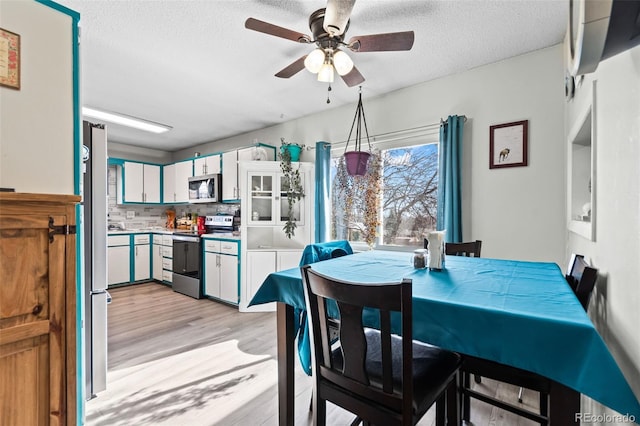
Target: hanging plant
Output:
[(357, 160), (357, 202), (292, 185), (372, 193)]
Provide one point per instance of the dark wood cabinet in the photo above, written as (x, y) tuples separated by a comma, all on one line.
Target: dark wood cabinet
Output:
[(37, 309)]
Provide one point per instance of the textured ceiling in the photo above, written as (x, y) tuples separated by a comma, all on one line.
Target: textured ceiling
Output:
[(192, 64)]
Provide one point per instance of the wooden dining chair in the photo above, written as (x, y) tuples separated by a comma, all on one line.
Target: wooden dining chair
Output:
[(380, 377), (468, 249), (584, 278)]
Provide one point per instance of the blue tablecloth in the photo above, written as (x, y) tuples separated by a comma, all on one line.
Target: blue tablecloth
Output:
[(517, 313)]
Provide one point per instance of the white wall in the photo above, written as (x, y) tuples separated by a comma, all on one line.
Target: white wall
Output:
[(616, 249), (517, 212), (36, 122)]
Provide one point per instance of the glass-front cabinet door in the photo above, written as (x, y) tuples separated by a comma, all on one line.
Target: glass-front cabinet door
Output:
[(283, 202), (262, 197), (268, 203)]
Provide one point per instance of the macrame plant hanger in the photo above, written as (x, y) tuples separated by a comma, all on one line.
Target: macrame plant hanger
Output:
[(357, 160)]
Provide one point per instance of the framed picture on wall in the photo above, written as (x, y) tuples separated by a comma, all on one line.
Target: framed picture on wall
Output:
[(9, 59), (508, 144)]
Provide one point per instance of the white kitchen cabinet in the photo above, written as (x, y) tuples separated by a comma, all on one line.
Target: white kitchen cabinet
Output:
[(140, 183), (230, 187), (259, 264), (141, 257), (221, 274), (207, 165), (167, 258), (176, 182), (118, 257), (157, 258), (183, 171), (169, 184)]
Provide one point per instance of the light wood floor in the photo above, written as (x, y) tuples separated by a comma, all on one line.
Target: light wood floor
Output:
[(177, 361)]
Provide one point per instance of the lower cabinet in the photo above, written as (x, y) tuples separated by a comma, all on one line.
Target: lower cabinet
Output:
[(221, 270), (162, 262), (129, 259), (118, 259), (259, 265), (141, 257), (156, 258)]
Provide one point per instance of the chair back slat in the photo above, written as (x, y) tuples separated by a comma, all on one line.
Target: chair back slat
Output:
[(354, 353)]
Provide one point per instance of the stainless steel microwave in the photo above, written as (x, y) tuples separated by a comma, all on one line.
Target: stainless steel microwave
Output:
[(205, 189)]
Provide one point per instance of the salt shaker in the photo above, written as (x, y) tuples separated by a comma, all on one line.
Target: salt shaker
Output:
[(420, 258)]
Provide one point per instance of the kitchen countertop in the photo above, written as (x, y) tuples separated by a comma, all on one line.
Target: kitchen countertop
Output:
[(225, 236)]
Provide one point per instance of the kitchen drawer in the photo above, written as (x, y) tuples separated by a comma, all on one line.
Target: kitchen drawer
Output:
[(167, 263), (167, 251), (167, 240), (212, 245), (228, 247), (117, 240), (141, 239), (167, 276), (157, 239)]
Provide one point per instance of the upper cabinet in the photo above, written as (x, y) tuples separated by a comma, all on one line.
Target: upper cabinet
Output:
[(230, 179), (138, 183), (208, 165), (230, 187), (175, 186)]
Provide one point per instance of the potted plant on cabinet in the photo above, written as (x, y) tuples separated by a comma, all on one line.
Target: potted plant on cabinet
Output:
[(291, 183), (292, 149)]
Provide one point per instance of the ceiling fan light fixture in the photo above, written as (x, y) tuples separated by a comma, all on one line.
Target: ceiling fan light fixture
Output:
[(325, 74), (342, 62), (314, 60)]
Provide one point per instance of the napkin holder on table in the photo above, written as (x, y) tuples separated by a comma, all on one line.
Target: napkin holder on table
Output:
[(436, 250)]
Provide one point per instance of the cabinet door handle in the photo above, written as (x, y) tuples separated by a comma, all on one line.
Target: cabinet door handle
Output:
[(136, 251)]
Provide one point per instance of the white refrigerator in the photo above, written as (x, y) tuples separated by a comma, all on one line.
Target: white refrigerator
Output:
[(95, 297)]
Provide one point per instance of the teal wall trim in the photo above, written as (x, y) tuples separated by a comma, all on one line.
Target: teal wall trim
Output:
[(77, 176)]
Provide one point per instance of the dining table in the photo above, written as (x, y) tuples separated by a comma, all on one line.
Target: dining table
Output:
[(518, 313)]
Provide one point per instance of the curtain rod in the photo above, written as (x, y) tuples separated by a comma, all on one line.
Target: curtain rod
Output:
[(464, 119), (396, 134)]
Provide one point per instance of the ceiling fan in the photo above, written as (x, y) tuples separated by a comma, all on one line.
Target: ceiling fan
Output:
[(328, 26)]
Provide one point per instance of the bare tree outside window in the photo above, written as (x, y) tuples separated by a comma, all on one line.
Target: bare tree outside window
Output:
[(409, 198)]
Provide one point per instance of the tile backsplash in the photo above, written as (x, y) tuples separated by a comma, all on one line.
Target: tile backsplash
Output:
[(136, 216)]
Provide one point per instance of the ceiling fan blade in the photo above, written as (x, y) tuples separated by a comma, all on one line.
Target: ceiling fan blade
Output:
[(336, 16), (274, 30), (353, 77), (382, 42), (292, 69)]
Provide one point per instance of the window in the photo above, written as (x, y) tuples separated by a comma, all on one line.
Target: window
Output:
[(408, 207)]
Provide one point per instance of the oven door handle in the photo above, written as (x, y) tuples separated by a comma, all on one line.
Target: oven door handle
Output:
[(186, 238)]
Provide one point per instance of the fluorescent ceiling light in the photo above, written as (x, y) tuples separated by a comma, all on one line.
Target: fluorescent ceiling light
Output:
[(126, 120)]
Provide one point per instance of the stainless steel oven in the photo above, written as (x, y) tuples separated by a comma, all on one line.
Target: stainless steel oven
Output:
[(187, 257)]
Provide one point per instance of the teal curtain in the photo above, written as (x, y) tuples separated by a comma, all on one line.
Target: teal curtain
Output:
[(450, 180), (323, 196)]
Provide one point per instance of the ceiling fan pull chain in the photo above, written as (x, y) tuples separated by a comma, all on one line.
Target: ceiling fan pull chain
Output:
[(328, 90)]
